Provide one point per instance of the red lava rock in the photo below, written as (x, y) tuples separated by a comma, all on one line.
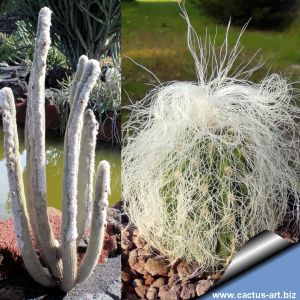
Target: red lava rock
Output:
[(215, 276), (148, 279), (156, 267), (125, 276), (152, 293), (188, 291), (125, 243), (167, 293), (141, 291), (137, 282), (11, 261), (154, 278), (184, 270), (173, 279), (10, 254), (203, 286), (140, 266), (133, 258), (139, 241), (55, 221), (159, 282), (145, 253)]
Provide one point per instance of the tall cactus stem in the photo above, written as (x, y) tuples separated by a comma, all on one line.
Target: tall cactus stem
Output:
[(86, 172), (102, 190), (18, 201), (35, 129), (80, 67), (71, 162)]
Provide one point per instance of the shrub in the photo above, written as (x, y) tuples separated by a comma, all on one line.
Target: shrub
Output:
[(18, 48), (264, 14), (105, 96), (80, 27), (207, 165)]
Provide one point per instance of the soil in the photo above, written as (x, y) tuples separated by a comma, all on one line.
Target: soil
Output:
[(103, 284)]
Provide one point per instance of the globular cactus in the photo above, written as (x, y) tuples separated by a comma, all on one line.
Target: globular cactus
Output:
[(57, 264), (207, 165)]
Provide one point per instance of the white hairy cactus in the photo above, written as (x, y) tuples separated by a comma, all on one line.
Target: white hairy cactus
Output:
[(207, 165), (57, 265)]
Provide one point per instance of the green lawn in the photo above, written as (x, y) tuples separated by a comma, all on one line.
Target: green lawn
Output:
[(154, 35)]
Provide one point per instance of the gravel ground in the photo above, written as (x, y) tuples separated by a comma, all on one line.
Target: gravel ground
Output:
[(104, 284)]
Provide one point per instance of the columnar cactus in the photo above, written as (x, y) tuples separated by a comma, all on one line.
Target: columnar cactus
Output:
[(57, 264)]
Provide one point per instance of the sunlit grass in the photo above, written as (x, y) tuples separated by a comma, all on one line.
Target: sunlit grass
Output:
[(154, 35)]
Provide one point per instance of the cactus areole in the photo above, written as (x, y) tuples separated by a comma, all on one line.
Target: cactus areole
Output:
[(57, 263)]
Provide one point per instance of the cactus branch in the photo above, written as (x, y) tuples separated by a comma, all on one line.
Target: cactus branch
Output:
[(36, 143), (86, 172), (79, 147), (102, 190), (80, 67), (71, 149), (14, 171)]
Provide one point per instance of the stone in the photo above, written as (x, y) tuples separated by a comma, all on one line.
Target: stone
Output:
[(145, 253), (203, 286), (152, 293), (135, 232), (187, 291), (55, 76), (185, 270), (137, 282), (140, 266), (141, 291), (148, 278), (156, 267), (18, 87), (125, 276), (167, 293), (159, 282), (126, 243), (125, 232), (12, 262), (147, 247), (173, 279), (133, 258), (215, 276), (139, 241)]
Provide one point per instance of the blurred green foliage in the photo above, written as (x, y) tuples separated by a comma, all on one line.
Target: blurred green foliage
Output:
[(18, 48), (264, 14), (89, 27), (154, 35)]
